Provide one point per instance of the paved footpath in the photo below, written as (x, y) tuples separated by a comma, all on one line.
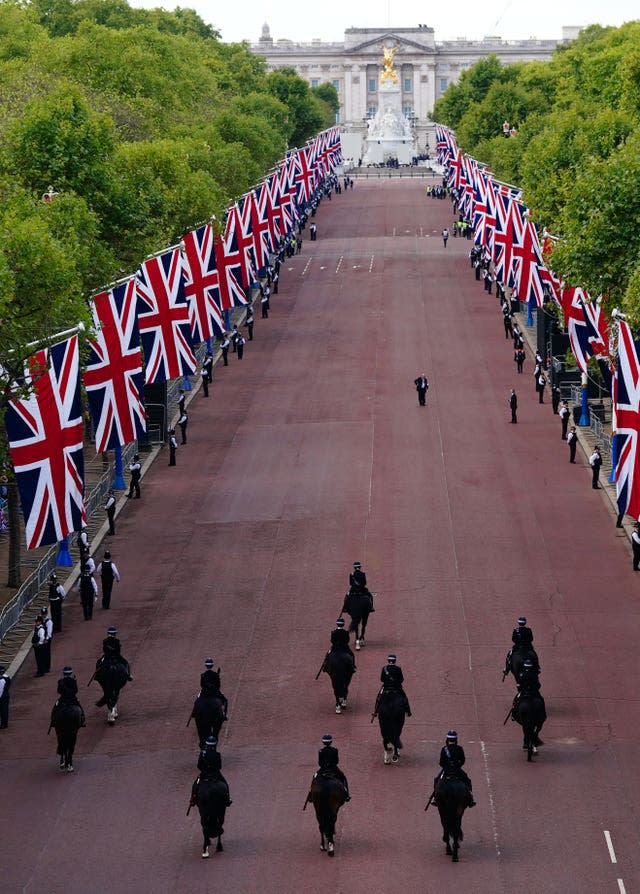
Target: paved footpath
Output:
[(312, 453)]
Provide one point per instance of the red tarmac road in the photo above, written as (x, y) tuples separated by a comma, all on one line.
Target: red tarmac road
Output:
[(311, 453)]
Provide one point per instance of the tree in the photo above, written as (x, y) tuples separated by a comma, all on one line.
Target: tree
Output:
[(305, 114)]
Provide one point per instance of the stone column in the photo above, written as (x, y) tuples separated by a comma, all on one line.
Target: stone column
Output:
[(347, 99)]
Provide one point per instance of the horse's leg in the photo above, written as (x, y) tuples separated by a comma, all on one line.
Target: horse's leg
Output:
[(336, 693), (456, 845), (219, 844), (448, 850), (363, 627), (395, 756), (322, 845)]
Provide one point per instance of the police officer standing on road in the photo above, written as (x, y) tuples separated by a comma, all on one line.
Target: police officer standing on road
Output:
[(240, 343), (595, 461), (110, 509), (183, 422), (224, 347), (249, 322), (38, 641), (422, 386), (572, 441), (513, 403), (205, 381), (56, 598), (135, 472), (564, 419), (173, 446), (88, 593), (108, 573), (635, 545), (5, 686), (207, 366), (48, 636)]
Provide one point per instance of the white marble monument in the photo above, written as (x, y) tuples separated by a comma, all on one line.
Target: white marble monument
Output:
[(389, 133)]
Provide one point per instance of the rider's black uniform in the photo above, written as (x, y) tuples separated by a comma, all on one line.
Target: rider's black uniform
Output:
[(328, 757), (210, 766), (452, 758), (112, 649), (210, 687), (68, 692), (340, 641), (358, 580), (522, 637), (528, 685), (392, 678)]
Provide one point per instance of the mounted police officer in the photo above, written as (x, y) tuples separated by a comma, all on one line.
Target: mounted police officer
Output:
[(68, 693), (392, 678), (340, 639), (522, 636), (528, 687), (358, 584), (328, 758), (210, 767), (452, 758), (210, 685), (112, 651)]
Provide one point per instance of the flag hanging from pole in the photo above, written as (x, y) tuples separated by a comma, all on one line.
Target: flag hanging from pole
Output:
[(627, 411), (45, 433)]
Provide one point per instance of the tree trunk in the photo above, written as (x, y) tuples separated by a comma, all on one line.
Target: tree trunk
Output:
[(15, 535)]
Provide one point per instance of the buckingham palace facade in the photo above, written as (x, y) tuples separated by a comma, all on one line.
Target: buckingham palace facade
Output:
[(425, 66)]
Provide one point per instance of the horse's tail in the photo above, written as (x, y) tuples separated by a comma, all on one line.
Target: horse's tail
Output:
[(391, 713)]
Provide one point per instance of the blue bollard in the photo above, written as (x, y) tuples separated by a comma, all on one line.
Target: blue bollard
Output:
[(64, 556)]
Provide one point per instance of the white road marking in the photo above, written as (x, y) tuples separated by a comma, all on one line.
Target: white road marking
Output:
[(394, 232), (612, 853), (621, 887), (371, 264), (356, 266), (306, 266), (487, 777), (339, 264), (421, 231), (323, 268)]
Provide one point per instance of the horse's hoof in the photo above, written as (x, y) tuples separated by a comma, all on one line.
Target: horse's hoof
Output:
[(322, 847), (394, 758), (534, 750), (343, 703), (330, 849), (338, 709), (386, 758), (357, 645), (219, 847), (205, 853), (448, 850), (62, 766), (455, 859), (70, 768)]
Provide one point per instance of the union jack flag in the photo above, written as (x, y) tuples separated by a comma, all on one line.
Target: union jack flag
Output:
[(201, 284), (263, 243), (228, 262), (238, 238), (627, 410), (45, 433), (531, 274), (288, 211), (305, 177), (586, 325), (273, 208), (163, 318), (113, 377), (508, 229)]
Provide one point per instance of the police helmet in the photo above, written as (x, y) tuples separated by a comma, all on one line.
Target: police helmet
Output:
[(357, 565), (340, 622), (327, 739), (43, 610), (67, 671), (107, 554), (211, 742), (528, 663), (112, 631), (391, 658), (53, 576), (209, 663), (522, 621), (452, 736)]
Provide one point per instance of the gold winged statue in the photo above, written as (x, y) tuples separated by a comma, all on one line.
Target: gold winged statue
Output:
[(389, 73)]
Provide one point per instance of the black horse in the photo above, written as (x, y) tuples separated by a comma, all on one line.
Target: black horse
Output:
[(530, 713), (341, 667), (112, 675), (212, 799), (208, 713), (516, 658), (357, 604), (392, 708), (66, 722), (451, 798), (327, 796)]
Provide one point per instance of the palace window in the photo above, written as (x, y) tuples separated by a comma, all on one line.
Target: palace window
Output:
[(315, 82), (407, 85), (372, 85), (443, 84), (371, 112), (336, 84)]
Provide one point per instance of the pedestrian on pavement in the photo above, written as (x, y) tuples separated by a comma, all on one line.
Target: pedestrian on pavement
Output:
[(564, 419), (249, 322), (183, 422), (56, 598), (445, 236), (135, 472), (635, 545), (519, 358), (595, 461), (555, 398), (5, 686), (110, 509), (422, 386), (224, 347), (205, 381), (108, 573), (572, 441), (48, 638), (173, 446), (207, 366), (541, 386), (513, 403), (38, 641), (240, 343), (88, 594)]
